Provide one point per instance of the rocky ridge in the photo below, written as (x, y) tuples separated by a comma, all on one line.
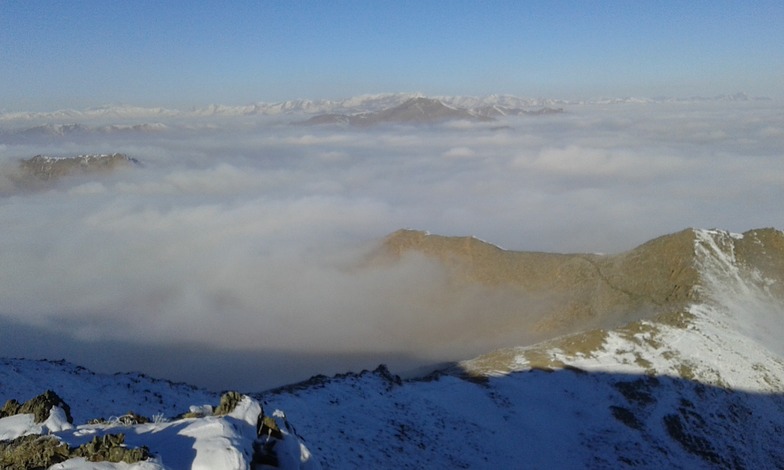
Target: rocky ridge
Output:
[(47, 168), (716, 306), (42, 171)]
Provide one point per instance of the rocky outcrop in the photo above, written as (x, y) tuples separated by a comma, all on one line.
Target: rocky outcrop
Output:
[(238, 433), (41, 172), (39, 407), (32, 451), (46, 168), (110, 448), (228, 402)]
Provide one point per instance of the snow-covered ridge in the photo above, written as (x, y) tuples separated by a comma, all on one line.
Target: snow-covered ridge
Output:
[(237, 434)]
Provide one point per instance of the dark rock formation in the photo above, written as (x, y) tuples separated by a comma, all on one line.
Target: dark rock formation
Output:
[(39, 407), (40, 452), (228, 402), (47, 168), (32, 452)]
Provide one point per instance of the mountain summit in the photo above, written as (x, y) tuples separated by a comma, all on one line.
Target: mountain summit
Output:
[(418, 110)]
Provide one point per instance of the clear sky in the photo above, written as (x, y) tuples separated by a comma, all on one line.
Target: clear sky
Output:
[(59, 54)]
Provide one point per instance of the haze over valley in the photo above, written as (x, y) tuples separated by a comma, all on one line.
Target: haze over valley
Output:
[(238, 238)]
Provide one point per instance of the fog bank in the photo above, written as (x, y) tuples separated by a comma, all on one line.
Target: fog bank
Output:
[(246, 236)]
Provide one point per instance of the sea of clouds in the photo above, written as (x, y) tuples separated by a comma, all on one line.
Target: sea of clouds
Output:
[(233, 256)]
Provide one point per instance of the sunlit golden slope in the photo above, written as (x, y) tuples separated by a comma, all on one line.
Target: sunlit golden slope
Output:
[(699, 304), (565, 292)]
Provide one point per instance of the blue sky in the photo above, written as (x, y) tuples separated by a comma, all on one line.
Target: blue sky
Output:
[(76, 54)]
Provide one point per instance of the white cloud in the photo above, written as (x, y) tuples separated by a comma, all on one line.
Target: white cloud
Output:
[(247, 237), (459, 152)]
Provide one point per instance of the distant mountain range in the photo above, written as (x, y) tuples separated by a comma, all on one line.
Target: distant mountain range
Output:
[(665, 356), (414, 111), (423, 110), (77, 131), (354, 105)]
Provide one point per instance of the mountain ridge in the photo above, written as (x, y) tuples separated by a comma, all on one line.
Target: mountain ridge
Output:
[(418, 110), (694, 381), (355, 104), (579, 285)]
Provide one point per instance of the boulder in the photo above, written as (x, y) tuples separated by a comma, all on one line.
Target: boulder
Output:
[(40, 407)]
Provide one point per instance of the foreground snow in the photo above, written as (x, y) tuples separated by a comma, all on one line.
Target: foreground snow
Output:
[(206, 442)]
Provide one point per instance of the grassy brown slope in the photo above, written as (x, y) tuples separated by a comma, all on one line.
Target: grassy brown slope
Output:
[(762, 250), (632, 293), (569, 292)]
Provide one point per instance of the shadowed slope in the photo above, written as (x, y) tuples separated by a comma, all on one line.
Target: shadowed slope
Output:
[(560, 419)]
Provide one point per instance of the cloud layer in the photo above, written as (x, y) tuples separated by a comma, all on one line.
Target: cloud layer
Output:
[(246, 235)]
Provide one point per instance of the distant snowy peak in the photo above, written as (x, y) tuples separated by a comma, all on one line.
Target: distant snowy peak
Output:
[(77, 131), (110, 112), (419, 110), (54, 130)]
